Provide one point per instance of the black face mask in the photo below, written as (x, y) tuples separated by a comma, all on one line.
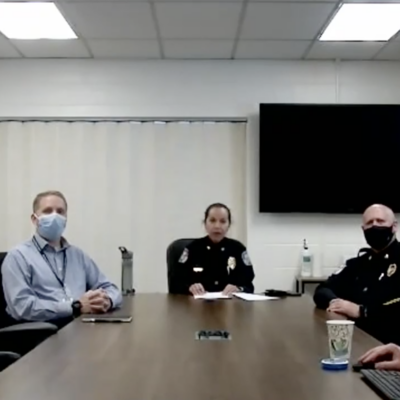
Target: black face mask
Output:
[(378, 237)]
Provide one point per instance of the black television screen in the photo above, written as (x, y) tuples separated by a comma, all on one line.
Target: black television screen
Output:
[(324, 158)]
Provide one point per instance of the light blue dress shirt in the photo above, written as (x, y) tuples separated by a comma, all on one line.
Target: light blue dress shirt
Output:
[(32, 290)]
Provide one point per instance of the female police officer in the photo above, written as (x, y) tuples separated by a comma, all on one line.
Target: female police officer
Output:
[(216, 263)]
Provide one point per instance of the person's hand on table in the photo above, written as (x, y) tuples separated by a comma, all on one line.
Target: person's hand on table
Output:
[(384, 357), (86, 307), (100, 301), (95, 301), (197, 289), (344, 307), (230, 289)]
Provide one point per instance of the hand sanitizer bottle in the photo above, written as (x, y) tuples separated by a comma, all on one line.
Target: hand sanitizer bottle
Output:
[(306, 267)]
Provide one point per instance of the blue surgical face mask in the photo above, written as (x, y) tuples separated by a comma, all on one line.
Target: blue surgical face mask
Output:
[(51, 226)]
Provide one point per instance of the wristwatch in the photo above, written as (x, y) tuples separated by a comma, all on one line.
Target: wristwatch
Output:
[(363, 311), (76, 308)]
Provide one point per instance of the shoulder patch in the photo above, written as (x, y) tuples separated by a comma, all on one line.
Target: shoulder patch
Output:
[(184, 256), (246, 258)]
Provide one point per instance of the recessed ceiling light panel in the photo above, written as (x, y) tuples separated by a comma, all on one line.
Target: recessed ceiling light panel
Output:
[(364, 22), (31, 21)]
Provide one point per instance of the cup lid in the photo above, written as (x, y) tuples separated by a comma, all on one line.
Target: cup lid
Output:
[(334, 365), (339, 322)]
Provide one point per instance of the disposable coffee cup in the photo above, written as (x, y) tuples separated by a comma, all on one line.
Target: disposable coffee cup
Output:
[(340, 336)]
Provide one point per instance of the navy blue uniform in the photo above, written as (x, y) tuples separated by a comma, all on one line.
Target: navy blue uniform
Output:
[(216, 265), (371, 280)]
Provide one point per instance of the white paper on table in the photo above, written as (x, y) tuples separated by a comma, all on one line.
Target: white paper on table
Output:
[(254, 297), (211, 296)]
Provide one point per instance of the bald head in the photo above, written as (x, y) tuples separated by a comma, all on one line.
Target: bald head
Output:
[(378, 214), (379, 226)]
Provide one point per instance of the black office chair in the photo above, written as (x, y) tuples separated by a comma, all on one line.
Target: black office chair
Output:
[(7, 358), (174, 252), (20, 337)]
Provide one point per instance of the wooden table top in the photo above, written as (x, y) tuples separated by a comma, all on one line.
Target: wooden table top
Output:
[(274, 354)]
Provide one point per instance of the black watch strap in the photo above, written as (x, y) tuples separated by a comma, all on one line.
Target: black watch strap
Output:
[(363, 311), (76, 308)]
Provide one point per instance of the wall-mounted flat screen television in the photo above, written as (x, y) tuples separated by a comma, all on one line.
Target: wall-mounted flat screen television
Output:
[(328, 158)]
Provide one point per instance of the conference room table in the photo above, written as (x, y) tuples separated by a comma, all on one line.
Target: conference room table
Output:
[(274, 354)]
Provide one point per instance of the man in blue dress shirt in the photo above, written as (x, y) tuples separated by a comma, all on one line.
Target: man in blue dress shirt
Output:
[(46, 278)]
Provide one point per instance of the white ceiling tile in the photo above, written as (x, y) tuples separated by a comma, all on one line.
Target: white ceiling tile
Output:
[(390, 52), (73, 1), (293, 1), (285, 21), (144, 49), (370, 1), (111, 20), (199, 1), (7, 50), (101, 1), (135, 1), (198, 49), (271, 49), (344, 50), (52, 48), (198, 20)]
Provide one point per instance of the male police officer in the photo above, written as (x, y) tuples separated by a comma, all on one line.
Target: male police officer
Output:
[(367, 290)]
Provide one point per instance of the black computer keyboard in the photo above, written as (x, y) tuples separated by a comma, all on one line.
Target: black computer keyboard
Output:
[(386, 382)]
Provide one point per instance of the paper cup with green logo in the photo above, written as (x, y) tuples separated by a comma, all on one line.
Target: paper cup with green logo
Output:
[(340, 335)]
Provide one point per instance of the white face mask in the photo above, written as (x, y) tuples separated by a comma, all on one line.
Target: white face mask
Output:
[(51, 226)]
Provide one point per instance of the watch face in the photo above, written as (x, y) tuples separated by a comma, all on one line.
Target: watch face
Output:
[(76, 309)]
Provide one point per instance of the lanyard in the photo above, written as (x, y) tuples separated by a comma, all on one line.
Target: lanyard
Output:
[(43, 254)]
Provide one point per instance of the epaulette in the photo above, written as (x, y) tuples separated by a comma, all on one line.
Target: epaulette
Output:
[(364, 251)]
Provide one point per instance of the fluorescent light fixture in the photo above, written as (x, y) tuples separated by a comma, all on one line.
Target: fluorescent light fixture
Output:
[(363, 22), (30, 21)]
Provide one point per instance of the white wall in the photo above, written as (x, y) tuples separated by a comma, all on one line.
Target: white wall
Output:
[(90, 88)]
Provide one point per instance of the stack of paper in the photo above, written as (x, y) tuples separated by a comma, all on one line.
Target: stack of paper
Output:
[(211, 296), (243, 296), (254, 297)]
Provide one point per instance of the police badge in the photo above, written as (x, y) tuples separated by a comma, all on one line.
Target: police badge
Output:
[(391, 270), (231, 264)]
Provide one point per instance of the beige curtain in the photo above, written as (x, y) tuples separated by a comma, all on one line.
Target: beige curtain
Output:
[(140, 185)]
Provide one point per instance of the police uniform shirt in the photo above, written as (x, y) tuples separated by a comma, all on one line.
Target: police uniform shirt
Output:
[(215, 265), (371, 280)]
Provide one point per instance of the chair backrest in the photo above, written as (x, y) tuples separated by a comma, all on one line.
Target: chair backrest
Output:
[(174, 252), (5, 319), (3, 303), (7, 358)]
